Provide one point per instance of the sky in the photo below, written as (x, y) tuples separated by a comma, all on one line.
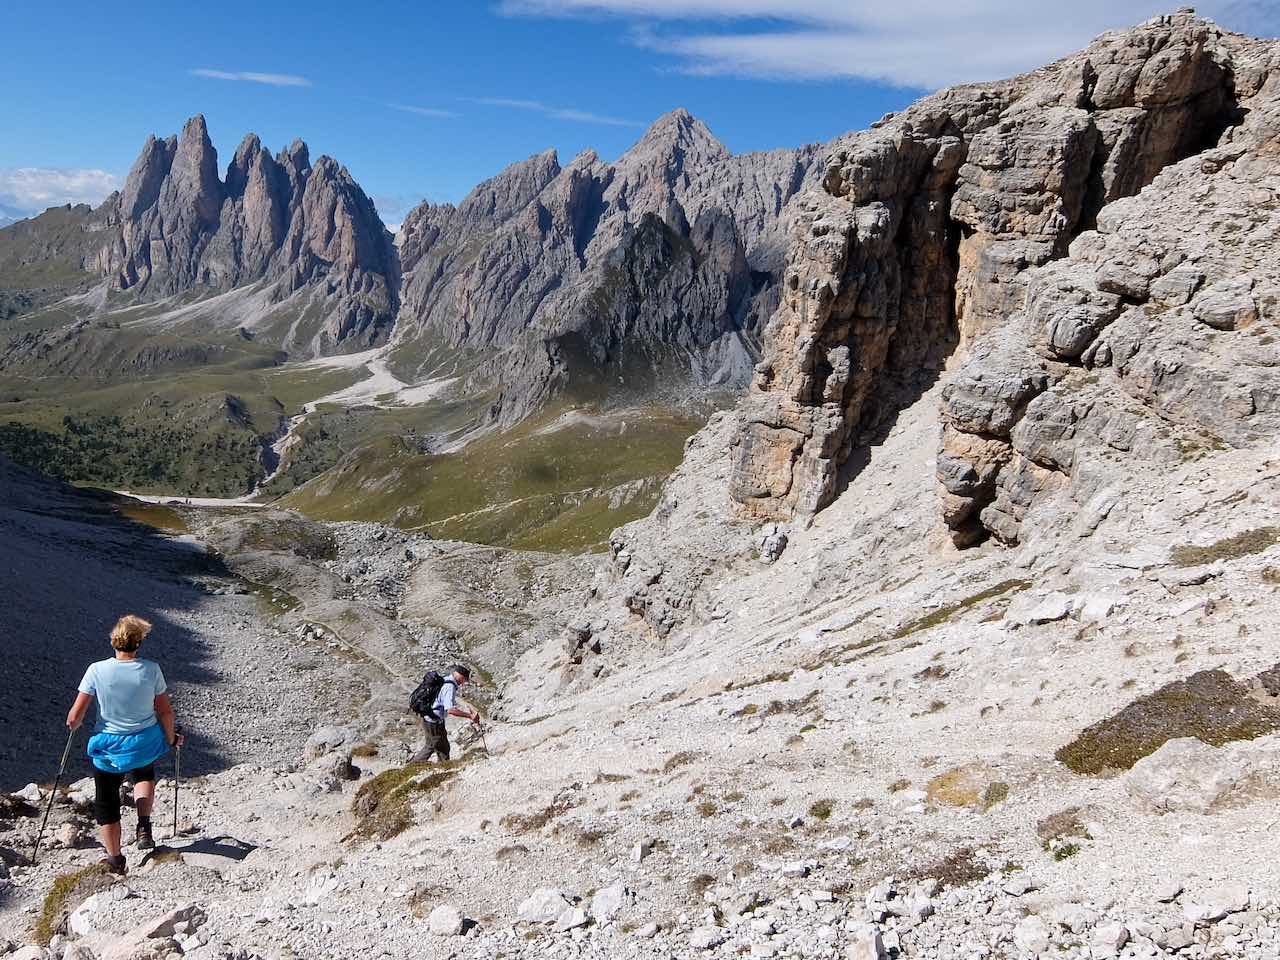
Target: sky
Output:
[(422, 100)]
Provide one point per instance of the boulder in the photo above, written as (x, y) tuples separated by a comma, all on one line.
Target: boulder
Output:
[(1032, 935), (706, 938), (82, 921), (1184, 774), (166, 925), (130, 948), (1216, 903), (570, 918), (329, 739), (865, 943), (1227, 305), (648, 931), (544, 905), (67, 836), (1108, 939), (30, 793), (609, 901), (445, 921)]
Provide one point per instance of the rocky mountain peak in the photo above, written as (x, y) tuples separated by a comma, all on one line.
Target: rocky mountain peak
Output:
[(297, 158), (281, 220), (142, 186), (677, 140)]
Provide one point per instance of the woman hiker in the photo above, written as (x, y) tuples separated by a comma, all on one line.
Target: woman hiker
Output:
[(135, 728)]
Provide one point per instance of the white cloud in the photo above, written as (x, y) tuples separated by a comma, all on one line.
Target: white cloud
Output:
[(915, 43), (423, 111), (273, 79), (556, 113), (33, 189)]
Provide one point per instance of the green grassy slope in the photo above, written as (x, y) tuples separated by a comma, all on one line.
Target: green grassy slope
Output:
[(548, 484), (185, 433)]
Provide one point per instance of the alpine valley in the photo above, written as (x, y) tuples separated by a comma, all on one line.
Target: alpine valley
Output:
[(259, 333), (866, 551)]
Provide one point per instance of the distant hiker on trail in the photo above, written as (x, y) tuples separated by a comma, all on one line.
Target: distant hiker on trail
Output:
[(134, 729), (433, 701)]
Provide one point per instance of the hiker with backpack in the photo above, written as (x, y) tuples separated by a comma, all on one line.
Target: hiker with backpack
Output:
[(432, 701), (135, 728)]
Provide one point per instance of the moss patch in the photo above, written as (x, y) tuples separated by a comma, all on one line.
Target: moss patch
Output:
[(821, 809), (678, 760), (970, 786), (529, 822), (1059, 833), (69, 890), (1209, 705), (1231, 548), (956, 869), (384, 806), (943, 614)]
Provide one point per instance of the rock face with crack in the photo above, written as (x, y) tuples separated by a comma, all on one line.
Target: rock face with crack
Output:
[(1002, 220), (658, 268), (177, 228)]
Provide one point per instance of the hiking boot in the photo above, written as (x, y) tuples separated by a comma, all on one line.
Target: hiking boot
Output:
[(144, 840), (116, 865)]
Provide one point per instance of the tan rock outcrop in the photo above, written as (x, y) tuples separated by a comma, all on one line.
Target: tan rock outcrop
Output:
[(944, 227)]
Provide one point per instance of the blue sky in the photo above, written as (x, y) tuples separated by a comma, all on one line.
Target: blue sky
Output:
[(422, 100)]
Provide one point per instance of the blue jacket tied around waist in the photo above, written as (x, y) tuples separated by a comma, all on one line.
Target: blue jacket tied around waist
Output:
[(120, 753)]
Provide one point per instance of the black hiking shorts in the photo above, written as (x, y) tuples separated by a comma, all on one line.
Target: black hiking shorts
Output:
[(106, 791)]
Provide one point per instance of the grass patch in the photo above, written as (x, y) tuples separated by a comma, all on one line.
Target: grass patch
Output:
[(997, 792), (821, 809), (558, 482), (69, 890), (956, 869), (707, 808), (1059, 832), (943, 614), (292, 534), (154, 515), (797, 706), (277, 601), (967, 786), (1231, 548), (529, 822), (1210, 706), (777, 676), (364, 750), (700, 884), (678, 760), (384, 806)]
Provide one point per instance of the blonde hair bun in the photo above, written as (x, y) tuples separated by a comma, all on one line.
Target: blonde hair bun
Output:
[(128, 633)]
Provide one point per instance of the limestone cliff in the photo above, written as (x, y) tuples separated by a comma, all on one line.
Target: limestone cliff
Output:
[(933, 229)]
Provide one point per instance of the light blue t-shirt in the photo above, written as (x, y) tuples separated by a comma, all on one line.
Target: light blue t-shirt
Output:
[(125, 691), (444, 700)]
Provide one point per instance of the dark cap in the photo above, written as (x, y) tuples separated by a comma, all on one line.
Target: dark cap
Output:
[(461, 670)]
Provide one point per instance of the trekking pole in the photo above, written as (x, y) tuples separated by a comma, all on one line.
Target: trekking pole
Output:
[(62, 767), (177, 773)]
